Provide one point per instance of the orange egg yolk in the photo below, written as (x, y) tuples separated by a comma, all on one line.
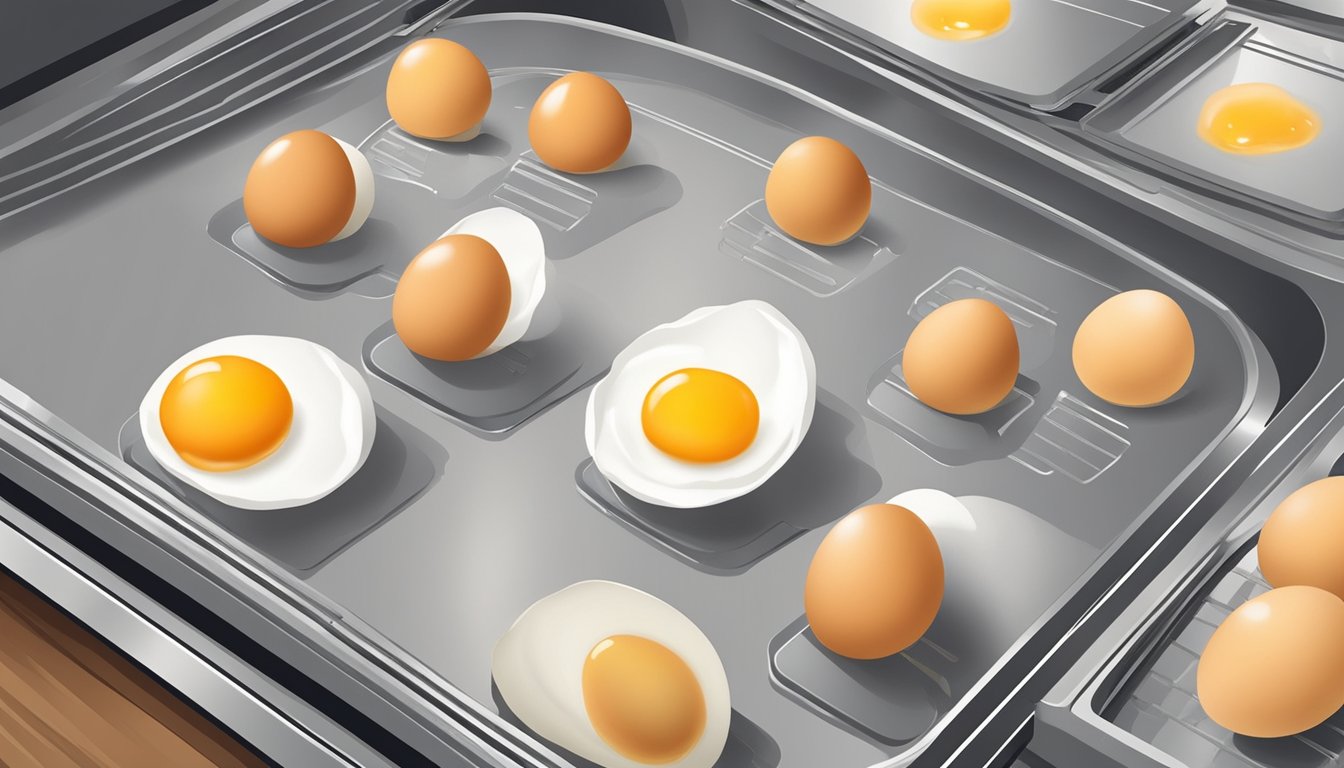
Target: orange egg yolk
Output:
[(960, 19), (696, 414), (225, 413), (1257, 119), (643, 699)]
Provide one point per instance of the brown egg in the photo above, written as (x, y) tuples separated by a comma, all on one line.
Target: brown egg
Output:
[(962, 358), (1274, 667), (818, 191), (1302, 542), (580, 124), (453, 299), (438, 90), (301, 191), (1135, 349), (875, 582)]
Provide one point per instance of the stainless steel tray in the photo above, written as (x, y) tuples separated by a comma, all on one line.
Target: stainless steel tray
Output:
[(1153, 118), (1049, 52), (1139, 706), (154, 242)]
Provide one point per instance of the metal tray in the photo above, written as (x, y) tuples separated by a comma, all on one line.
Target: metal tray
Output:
[(128, 273), (1049, 52), (1154, 117), (1141, 709)]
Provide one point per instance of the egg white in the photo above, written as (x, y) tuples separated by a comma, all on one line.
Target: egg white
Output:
[(538, 666), (330, 437), (940, 510), (523, 251), (750, 340), (364, 186)]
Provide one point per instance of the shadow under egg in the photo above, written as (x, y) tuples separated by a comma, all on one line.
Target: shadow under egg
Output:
[(748, 745), (829, 474)]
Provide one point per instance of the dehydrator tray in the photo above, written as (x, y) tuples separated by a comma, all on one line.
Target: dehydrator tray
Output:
[(1153, 119), (128, 273)]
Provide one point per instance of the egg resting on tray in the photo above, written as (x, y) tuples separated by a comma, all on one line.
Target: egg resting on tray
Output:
[(473, 291), (615, 676), (438, 89), (580, 124), (704, 409), (307, 189), (259, 422)]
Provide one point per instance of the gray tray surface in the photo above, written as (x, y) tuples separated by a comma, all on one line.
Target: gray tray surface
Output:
[(161, 267)]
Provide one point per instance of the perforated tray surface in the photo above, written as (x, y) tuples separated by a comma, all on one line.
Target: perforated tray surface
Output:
[(1164, 710), (128, 273)]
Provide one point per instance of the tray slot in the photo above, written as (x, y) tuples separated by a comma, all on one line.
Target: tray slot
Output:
[(823, 480), (1032, 319), (945, 438), (544, 195), (750, 235), (566, 348), (450, 170), (400, 466), (1075, 439), (985, 606)]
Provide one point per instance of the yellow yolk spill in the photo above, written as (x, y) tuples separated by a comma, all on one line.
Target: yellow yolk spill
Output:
[(960, 19), (700, 415), (225, 413), (643, 699), (1257, 119)]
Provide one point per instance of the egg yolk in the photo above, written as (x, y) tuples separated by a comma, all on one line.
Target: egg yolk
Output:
[(225, 413), (960, 19), (1257, 119), (696, 414), (643, 699)]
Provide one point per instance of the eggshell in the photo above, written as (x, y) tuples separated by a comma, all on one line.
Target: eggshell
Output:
[(1302, 542), (438, 89), (580, 124), (1135, 349), (818, 191), (875, 583), (1274, 667), (962, 358), (453, 299), (301, 190)]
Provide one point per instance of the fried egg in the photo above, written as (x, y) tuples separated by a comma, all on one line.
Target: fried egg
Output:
[(960, 20), (1257, 119), (259, 422), (474, 291), (615, 676), (704, 409)]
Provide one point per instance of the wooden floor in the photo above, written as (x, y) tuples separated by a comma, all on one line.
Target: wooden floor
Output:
[(67, 699)]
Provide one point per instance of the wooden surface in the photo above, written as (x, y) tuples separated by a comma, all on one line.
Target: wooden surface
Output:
[(67, 699)]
